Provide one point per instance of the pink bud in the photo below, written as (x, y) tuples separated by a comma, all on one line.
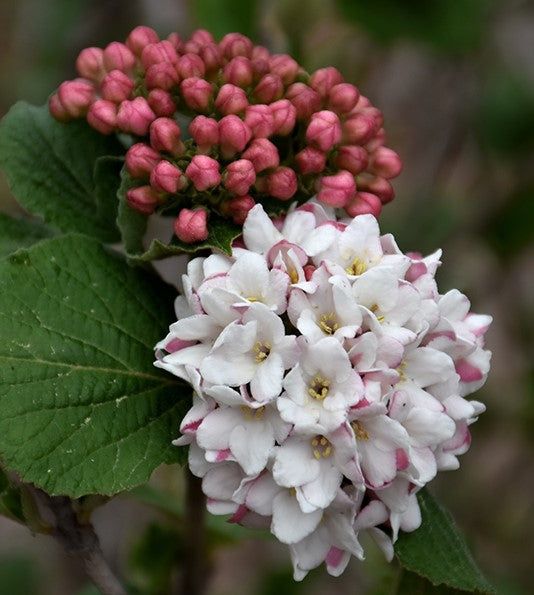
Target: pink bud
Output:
[(336, 190), (231, 100), (117, 86), (205, 132), (236, 44), (143, 199), (285, 67), (259, 68), (263, 154), (324, 130), (374, 113), (141, 160), (57, 110), (202, 37), (139, 38), (190, 65), (352, 158), (155, 53), (310, 161), (358, 129), (90, 64), (343, 97), (76, 96), (238, 72), (364, 203), (234, 135), (135, 116), (305, 99), (161, 76), (118, 56), (239, 176), (378, 140), (386, 163), (269, 89), (176, 41), (203, 171), (191, 225), (165, 177), (238, 208), (165, 135), (260, 53), (161, 102), (197, 93), (282, 183), (260, 120), (102, 116), (212, 57), (324, 79), (284, 115), (376, 185)]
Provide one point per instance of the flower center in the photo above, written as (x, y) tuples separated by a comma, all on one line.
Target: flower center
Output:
[(328, 323), (318, 388), (400, 370), (252, 414), (374, 308), (253, 298), (321, 447), (359, 431), (262, 351), (358, 267), (293, 275)]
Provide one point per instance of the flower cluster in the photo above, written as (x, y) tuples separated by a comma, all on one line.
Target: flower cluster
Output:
[(330, 379), (221, 126)]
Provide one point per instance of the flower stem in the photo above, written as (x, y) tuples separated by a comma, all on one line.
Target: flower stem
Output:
[(195, 567)]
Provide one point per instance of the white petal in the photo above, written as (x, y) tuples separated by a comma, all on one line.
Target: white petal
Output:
[(290, 524)]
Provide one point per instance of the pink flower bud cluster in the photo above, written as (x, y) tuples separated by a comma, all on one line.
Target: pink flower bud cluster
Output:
[(242, 101), (329, 379)]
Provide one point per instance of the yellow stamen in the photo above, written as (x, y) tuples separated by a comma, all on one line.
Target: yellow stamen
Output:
[(328, 323), (251, 414), (318, 388), (293, 275), (322, 449), (400, 370), (261, 350), (359, 431), (358, 267)]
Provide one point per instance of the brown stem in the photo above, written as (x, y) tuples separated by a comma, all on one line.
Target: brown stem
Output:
[(195, 570), (80, 541)]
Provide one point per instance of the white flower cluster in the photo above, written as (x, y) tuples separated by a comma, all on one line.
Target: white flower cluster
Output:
[(329, 379)]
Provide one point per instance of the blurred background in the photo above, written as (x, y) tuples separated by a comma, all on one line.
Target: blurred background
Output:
[(455, 81)]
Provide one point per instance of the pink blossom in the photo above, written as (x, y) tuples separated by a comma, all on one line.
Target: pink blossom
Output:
[(282, 183), (260, 120), (324, 79), (190, 65), (155, 53), (143, 199), (236, 44), (336, 190), (231, 100), (165, 177), (310, 160), (162, 75), (238, 208), (118, 56), (285, 67), (139, 38), (191, 225), (285, 115), (363, 203), (203, 171), (116, 86), (263, 154), (234, 135), (165, 135), (239, 176), (197, 93), (352, 158), (358, 129), (90, 64), (135, 116), (102, 116), (141, 159), (269, 88), (238, 72), (324, 130), (305, 99), (343, 97), (76, 96), (205, 132), (161, 102), (385, 163)]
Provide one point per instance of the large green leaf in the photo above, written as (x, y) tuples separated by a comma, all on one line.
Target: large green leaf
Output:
[(10, 499), (19, 233), (82, 409), (51, 169), (438, 552)]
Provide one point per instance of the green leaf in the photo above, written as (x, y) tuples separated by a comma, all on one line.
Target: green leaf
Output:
[(438, 552), (10, 499), (82, 409), (19, 233), (414, 584), (50, 168), (222, 232)]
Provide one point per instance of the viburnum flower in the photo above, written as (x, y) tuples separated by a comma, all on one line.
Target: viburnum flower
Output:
[(304, 133), (330, 378)]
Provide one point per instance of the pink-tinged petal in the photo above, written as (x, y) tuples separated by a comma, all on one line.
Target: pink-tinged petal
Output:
[(251, 445), (224, 395), (428, 366), (194, 417), (336, 561), (428, 428), (454, 305), (197, 460), (468, 372), (222, 455), (424, 462), (379, 467), (239, 514), (259, 494), (196, 328), (402, 459), (289, 523)]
